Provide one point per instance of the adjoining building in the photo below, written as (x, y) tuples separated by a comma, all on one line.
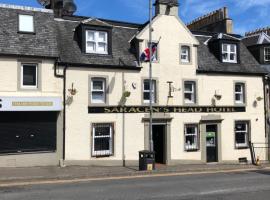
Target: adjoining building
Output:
[(30, 94), (208, 91)]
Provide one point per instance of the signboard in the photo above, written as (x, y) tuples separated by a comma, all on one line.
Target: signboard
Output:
[(167, 109), (30, 104)]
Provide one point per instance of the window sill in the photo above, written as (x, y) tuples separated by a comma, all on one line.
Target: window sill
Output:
[(241, 148), (27, 152), (26, 33), (192, 150), (98, 55), (102, 156)]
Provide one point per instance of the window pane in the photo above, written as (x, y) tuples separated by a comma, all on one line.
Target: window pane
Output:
[(241, 127), (188, 97), (91, 46), (146, 95), (102, 36), (238, 88), (185, 51), (233, 48), (102, 144), (91, 35), (225, 47), (232, 56), (26, 23), (240, 138), (102, 131), (98, 97), (146, 85), (29, 75), (102, 47), (225, 56), (191, 130), (188, 87), (98, 85)]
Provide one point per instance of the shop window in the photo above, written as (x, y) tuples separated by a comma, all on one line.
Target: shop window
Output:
[(229, 53), (96, 42), (29, 76), (190, 92), (146, 91), (98, 91), (26, 23), (102, 140), (241, 134), (191, 137), (185, 54), (239, 92)]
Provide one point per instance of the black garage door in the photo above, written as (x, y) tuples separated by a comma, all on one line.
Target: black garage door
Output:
[(27, 132)]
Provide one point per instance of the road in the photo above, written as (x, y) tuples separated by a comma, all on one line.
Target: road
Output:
[(221, 186)]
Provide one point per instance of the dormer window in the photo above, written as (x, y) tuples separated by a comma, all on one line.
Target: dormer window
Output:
[(266, 54), (26, 23), (96, 42), (229, 53)]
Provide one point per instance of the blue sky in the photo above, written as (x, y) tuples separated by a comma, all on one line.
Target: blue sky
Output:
[(247, 14)]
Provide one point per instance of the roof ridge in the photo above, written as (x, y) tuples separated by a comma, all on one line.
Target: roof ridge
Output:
[(26, 8)]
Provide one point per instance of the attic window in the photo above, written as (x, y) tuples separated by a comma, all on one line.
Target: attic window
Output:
[(96, 42), (26, 23), (267, 54), (229, 53)]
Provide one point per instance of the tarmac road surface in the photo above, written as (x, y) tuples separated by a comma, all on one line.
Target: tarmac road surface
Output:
[(253, 185)]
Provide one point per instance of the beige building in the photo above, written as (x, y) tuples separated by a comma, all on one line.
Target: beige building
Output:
[(208, 92), (30, 94)]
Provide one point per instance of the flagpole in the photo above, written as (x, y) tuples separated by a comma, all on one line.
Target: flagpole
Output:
[(150, 80)]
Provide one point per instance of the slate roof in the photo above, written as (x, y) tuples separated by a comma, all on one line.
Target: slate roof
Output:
[(257, 39), (70, 51), (208, 63), (43, 43)]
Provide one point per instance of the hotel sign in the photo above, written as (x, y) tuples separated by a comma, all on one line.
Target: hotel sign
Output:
[(30, 104), (167, 109)]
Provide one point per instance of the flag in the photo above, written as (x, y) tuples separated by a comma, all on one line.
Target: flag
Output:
[(145, 56)]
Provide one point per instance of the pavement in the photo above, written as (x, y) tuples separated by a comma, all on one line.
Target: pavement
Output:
[(247, 185), (20, 176)]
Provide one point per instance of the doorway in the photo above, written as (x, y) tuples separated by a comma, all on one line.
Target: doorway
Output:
[(159, 143), (211, 143)]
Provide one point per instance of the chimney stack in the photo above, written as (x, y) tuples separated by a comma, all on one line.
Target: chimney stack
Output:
[(217, 21), (166, 7), (62, 7)]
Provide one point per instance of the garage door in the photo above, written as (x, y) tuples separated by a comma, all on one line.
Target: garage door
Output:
[(24, 132)]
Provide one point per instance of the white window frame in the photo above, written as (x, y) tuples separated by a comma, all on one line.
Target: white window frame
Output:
[(96, 42), (102, 152), (193, 92), (186, 54), (155, 57), (26, 19), (154, 91), (246, 132), (241, 93), (266, 54), (29, 86), (103, 90), (229, 52), (193, 147)]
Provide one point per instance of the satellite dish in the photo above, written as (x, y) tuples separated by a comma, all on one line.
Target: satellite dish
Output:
[(44, 3)]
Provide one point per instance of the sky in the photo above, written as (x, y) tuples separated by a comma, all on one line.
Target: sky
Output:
[(246, 14)]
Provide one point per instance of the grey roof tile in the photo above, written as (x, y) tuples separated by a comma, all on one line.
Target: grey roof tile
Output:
[(43, 43)]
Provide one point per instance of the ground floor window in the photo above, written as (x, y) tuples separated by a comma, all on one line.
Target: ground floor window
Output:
[(191, 137), (241, 134), (102, 139)]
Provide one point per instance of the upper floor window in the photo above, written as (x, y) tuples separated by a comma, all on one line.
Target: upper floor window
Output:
[(191, 137), (102, 139), (266, 53), (146, 91), (26, 23), (189, 92), (239, 92), (96, 42), (29, 76), (229, 53), (241, 134), (185, 54), (98, 91), (154, 51)]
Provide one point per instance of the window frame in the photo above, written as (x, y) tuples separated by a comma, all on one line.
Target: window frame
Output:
[(27, 87), (265, 55), (104, 80), (157, 51), (155, 91), (247, 134), (229, 52), (188, 60), (19, 23), (197, 134), (195, 91), (102, 153), (243, 93), (96, 42)]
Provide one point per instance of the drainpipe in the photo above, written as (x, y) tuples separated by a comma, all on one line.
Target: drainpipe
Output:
[(63, 76)]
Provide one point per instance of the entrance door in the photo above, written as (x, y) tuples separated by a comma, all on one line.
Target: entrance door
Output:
[(159, 143), (211, 143)]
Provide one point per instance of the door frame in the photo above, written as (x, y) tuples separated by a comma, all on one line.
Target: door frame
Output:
[(203, 125), (159, 119)]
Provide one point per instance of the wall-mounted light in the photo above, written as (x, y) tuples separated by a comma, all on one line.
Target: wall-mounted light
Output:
[(72, 91), (217, 95)]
